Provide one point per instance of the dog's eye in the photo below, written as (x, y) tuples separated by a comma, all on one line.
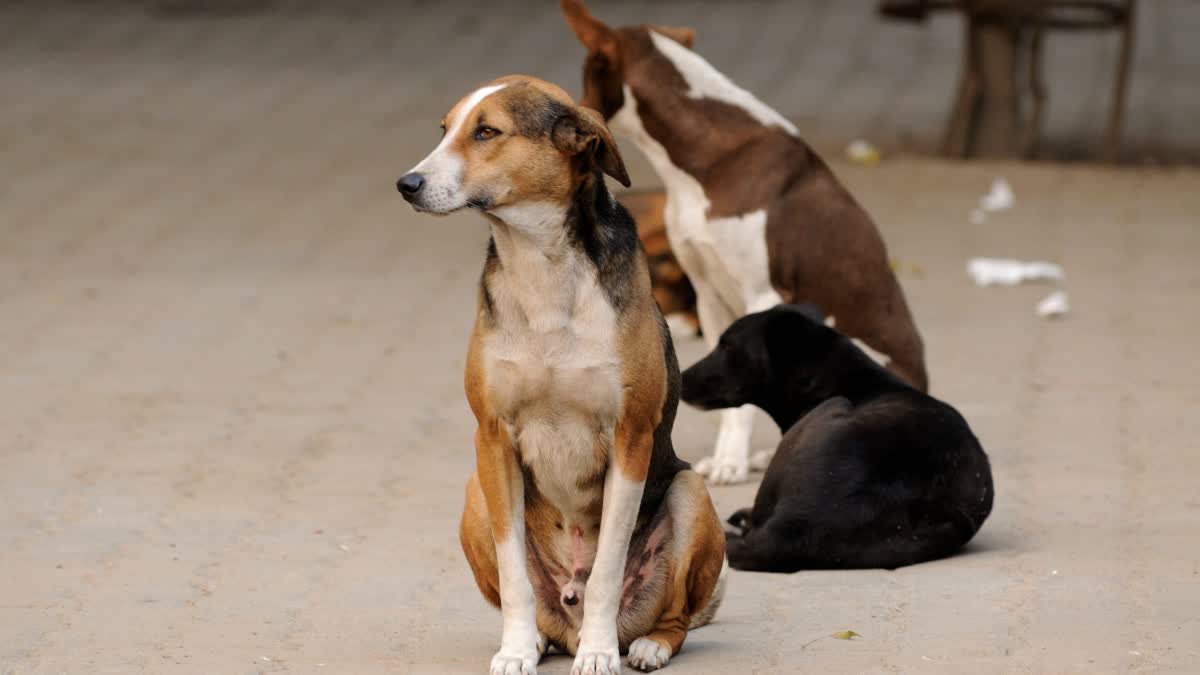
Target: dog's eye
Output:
[(483, 133), (442, 126)]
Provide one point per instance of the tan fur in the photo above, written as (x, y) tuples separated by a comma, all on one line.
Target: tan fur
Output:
[(563, 386)]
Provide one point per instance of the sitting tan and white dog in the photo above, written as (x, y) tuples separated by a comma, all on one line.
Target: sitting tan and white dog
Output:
[(754, 216), (580, 522)]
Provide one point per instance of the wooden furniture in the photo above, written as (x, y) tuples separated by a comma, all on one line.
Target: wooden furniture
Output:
[(998, 108)]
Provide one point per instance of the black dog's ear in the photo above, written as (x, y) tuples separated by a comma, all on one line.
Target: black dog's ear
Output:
[(583, 132)]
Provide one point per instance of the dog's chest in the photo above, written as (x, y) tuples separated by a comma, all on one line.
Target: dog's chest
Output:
[(553, 372)]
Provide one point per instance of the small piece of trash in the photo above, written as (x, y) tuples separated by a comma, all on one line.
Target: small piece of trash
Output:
[(862, 152), (977, 216), (999, 198), (1053, 573), (900, 267), (1135, 653), (344, 547), (840, 635), (1054, 305), (1004, 272), (925, 658), (264, 658)]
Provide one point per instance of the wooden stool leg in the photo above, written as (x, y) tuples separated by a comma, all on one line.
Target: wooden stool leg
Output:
[(1112, 144), (1037, 88), (960, 127)]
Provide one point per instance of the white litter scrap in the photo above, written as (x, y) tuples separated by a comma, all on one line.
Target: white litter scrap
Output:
[(1054, 305), (862, 152), (999, 198), (1004, 272)]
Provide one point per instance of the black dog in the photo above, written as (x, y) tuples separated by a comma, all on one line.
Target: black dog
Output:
[(870, 472)]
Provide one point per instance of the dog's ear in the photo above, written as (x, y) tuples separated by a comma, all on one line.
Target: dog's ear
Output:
[(582, 132), (592, 32), (684, 36)]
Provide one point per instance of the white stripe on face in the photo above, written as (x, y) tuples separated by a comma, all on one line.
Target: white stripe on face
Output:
[(443, 168)]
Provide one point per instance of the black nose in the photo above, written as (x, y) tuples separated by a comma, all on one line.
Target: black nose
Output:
[(410, 184)]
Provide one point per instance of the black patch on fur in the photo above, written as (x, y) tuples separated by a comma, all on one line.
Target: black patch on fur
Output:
[(535, 116), (607, 234)]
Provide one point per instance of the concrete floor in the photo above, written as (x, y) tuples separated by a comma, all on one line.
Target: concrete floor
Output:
[(233, 437)]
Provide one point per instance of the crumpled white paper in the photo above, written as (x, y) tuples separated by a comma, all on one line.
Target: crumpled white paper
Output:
[(1054, 305), (1005, 272), (999, 198)]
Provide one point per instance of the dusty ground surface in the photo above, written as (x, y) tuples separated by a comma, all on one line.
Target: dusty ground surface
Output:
[(233, 437)]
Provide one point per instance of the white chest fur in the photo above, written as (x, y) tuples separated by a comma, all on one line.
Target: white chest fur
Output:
[(553, 367)]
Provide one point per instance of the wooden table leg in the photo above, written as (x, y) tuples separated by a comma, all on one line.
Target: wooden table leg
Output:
[(1116, 119), (996, 135)]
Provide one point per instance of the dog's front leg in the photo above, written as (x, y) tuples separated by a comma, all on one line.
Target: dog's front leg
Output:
[(598, 652), (504, 490)]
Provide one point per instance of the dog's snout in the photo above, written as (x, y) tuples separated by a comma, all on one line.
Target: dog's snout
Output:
[(410, 184)]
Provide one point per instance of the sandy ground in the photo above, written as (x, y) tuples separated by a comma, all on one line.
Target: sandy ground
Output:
[(233, 437)]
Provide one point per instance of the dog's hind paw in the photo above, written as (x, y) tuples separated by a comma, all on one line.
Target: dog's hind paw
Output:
[(723, 471), (646, 654)]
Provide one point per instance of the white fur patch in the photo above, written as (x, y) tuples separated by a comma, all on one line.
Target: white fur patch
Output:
[(646, 654), (708, 82), (443, 168), (553, 362), (731, 456)]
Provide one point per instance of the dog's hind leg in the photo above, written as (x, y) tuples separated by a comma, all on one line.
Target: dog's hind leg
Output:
[(697, 585), (759, 550)]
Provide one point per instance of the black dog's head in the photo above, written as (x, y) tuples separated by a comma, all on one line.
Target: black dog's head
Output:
[(762, 356), (786, 361)]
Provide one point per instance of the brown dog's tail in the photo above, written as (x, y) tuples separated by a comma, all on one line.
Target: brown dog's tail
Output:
[(706, 615)]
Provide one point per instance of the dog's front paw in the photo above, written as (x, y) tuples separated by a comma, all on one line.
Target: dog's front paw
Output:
[(722, 471), (510, 663), (646, 654), (597, 662)]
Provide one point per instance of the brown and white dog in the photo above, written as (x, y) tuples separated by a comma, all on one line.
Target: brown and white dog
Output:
[(753, 214), (580, 522)]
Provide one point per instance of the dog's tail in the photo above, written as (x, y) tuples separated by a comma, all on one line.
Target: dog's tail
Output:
[(705, 616)]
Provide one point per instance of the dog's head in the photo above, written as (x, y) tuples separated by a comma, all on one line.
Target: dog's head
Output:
[(781, 349), (611, 52), (514, 142)]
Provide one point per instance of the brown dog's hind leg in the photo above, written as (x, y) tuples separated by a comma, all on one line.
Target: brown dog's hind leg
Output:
[(694, 591), (475, 534)]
